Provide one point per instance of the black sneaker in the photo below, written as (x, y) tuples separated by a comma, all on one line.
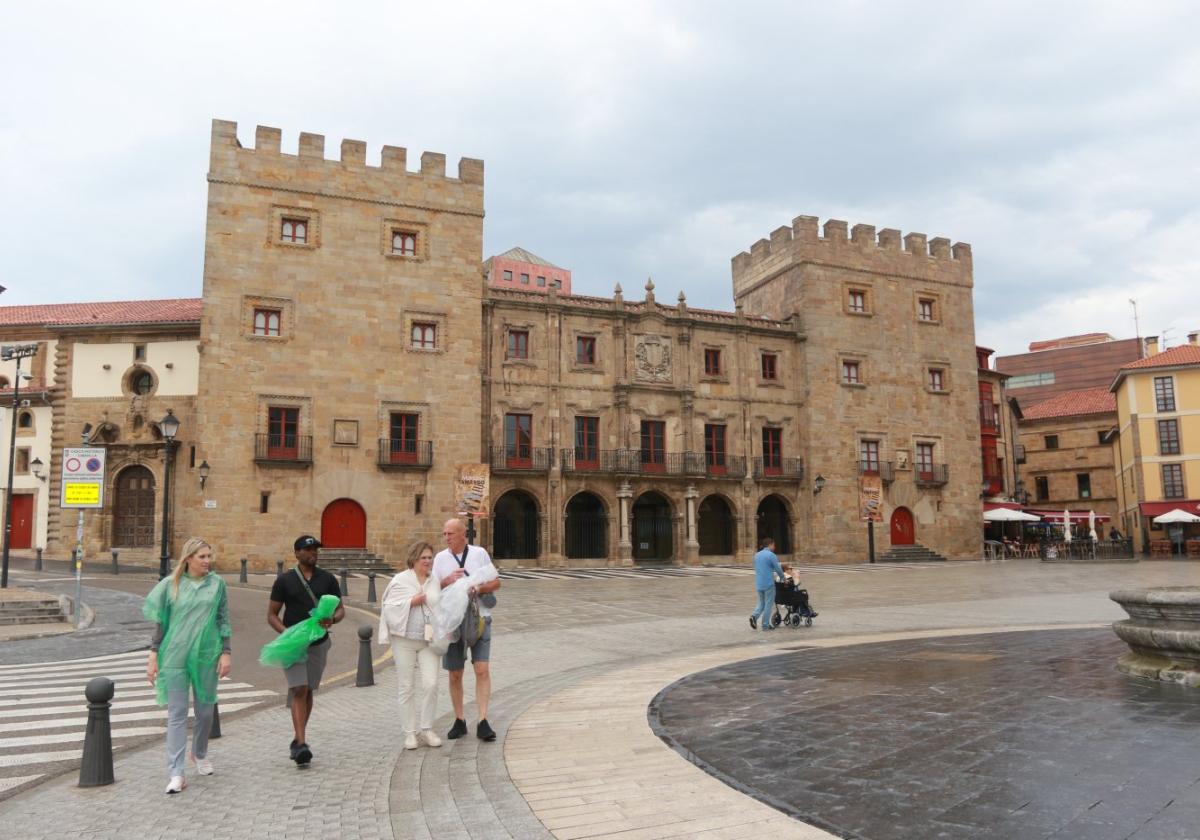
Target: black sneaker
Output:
[(458, 730), (484, 731), (303, 754), (753, 623), (295, 745)]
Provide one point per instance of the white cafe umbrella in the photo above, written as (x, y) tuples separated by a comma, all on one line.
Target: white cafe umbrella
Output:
[(1176, 515), (1092, 524), (1066, 526), (1009, 515)]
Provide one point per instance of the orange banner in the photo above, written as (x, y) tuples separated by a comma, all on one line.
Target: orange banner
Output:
[(870, 498), (471, 489)]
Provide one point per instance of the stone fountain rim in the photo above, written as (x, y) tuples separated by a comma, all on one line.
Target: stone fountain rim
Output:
[(1158, 595)]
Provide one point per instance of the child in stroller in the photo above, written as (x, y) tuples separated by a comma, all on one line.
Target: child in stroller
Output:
[(793, 599)]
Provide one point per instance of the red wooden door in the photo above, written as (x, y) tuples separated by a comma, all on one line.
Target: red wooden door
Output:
[(902, 527), (22, 523), (344, 525)]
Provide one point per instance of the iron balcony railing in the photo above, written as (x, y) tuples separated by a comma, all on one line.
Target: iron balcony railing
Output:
[(646, 462), (784, 469), (589, 459), (931, 475), (283, 449), (521, 458), (886, 470), (396, 453)]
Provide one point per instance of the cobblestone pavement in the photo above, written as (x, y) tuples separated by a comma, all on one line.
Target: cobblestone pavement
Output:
[(1018, 735), (551, 637)]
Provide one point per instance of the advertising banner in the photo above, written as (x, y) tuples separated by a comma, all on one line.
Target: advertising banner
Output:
[(870, 498), (471, 489)]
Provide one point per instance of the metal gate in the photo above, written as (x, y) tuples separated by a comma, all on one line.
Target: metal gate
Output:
[(515, 528), (774, 522), (653, 529)]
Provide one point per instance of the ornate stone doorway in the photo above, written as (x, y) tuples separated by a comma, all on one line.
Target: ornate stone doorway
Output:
[(133, 511)]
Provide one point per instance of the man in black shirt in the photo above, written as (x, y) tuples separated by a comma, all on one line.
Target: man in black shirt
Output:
[(295, 593)]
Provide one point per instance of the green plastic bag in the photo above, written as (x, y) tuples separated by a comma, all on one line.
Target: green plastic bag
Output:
[(290, 646)]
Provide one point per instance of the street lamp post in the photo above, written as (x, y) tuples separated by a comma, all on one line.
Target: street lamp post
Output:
[(169, 426), (18, 352)]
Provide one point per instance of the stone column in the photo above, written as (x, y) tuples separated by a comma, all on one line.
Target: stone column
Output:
[(691, 544), (625, 546)]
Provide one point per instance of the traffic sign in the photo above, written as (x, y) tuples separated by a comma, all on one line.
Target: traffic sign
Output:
[(83, 477)]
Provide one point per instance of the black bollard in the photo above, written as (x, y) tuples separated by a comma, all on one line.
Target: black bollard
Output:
[(215, 730), (37, 564), (371, 588), (366, 669), (97, 767), (345, 584), (242, 577), (278, 567), (116, 567)]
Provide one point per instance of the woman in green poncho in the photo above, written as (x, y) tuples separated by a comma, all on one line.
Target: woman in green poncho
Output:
[(190, 650)]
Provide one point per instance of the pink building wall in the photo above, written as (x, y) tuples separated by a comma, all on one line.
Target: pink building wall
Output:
[(533, 271)]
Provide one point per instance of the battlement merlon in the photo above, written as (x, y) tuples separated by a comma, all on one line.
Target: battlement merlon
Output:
[(859, 248), (350, 173)]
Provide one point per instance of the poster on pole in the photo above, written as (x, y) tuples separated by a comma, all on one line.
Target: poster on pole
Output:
[(870, 497), (83, 477), (471, 489)]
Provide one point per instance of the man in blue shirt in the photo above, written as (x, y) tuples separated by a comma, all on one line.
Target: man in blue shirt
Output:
[(766, 570)]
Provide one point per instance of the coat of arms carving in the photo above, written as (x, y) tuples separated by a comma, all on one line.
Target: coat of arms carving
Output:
[(652, 358)]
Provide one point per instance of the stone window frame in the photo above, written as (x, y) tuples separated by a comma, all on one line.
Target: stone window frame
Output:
[(265, 402), (530, 358), (934, 297), (413, 317), (287, 316), (943, 368), (763, 382), (137, 370), (722, 373), (311, 217), (389, 227), (575, 363), (934, 444), (859, 359), (267, 312), (22, 458), (389, 407), (31, 429), (868, 292)]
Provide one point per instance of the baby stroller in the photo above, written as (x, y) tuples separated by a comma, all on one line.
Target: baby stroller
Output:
[(794, 600)]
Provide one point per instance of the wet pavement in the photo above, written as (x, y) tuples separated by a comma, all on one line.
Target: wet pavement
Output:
[(1014, 735)]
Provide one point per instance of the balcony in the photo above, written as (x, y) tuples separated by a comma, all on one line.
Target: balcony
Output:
[(722, 466), (931, 475), (522, 459), (399, 454), (588, 460), (989, 421), (886, 470), (779, 469), (283, 450)]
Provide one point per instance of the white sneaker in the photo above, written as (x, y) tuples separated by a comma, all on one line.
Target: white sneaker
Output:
[(428, 736), (176, 785), (410, 741), (203, 766)]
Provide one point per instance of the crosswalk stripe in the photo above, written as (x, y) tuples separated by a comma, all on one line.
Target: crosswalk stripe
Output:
[(33, 670), (79, 679), (126, 717), (117, 703), (17, 781), (72, 737), (68, 663)]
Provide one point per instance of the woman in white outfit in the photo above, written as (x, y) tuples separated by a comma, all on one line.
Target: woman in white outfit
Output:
[(406, 620)]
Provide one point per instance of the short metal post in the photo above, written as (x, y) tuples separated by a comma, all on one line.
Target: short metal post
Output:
[(371, 588), (215, 731), (242, 576), (278, 567), (366, 668), (116, 567), (97, 766), (345, 583), (870, 541), (37, 563)]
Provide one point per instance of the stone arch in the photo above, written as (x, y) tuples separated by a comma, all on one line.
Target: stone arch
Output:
[(516, 526), (774, 519), (653, 526), (716, 526), (585, 526)]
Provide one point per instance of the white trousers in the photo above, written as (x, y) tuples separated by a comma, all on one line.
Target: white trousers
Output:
[(413, 656)]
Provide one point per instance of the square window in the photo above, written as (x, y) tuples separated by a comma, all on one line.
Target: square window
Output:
[(925, 309), (1168, 437), (712, 361), (936, 382), (768, 366), (542, 281), (518, 344), (266, 321), (856, 301), (139, 352), (1051, 441), (1172, 480), (585, 350), (557, 284), (850, 373), (508, 275), (525, 279), (294, 230), (404, 243), (424, 335)]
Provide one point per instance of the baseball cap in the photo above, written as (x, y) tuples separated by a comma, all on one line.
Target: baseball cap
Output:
[(306, 541)]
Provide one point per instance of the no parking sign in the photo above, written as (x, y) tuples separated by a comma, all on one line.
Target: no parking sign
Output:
[(83, 477)]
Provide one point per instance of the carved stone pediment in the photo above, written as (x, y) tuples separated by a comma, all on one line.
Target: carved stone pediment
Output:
[(652, 359)]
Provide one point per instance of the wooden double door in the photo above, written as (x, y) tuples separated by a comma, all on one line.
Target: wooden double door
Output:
[(133, 511)]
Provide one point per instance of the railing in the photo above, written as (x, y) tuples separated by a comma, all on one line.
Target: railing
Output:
[(401, 454), (724, 466), (522, 458), (885, 469), (283, 449), (988, 418), (587, 459), (784, 469), (1087, 550), (934, 475)]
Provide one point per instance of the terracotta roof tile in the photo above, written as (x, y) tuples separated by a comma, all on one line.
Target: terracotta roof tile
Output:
[(1073, 404), (175, 310), (1182, 354)]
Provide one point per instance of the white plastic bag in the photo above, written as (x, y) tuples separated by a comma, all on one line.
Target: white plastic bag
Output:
[(449, 612)]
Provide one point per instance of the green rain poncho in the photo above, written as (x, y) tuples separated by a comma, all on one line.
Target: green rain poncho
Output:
[(191, 644), (290, 646)]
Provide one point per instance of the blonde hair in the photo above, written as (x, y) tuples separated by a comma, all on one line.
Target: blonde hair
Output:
[(415, 551), (190, 547)]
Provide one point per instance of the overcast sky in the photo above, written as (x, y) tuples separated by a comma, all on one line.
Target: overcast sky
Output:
[(626, 140)]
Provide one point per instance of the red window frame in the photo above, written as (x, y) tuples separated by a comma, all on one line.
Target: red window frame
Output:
[(404, 243), (868, 456), (266, 321), (518, 344), (772, 449), (935, 379), (424, 335), (587, 443), (518, 440), (714, 447), (925, 309), (653, 451), (924, 460), (404, 434), (857, 301), (585, 350), (769, 366), (283, 425), (850, 372), (712, 361), (293, 230)]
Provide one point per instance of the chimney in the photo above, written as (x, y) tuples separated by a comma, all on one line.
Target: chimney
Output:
[(1194, 338), (1150, 343)]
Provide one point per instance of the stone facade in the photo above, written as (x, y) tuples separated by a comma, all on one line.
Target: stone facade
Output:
[(1080, 449)]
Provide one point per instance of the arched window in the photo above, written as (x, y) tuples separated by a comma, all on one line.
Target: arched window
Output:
[(25, 420), (295, 230), (404, 243)]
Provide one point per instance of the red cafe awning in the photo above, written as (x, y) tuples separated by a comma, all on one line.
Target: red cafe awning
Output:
[(1153, 509), (1000, 505), (1055, 517)]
